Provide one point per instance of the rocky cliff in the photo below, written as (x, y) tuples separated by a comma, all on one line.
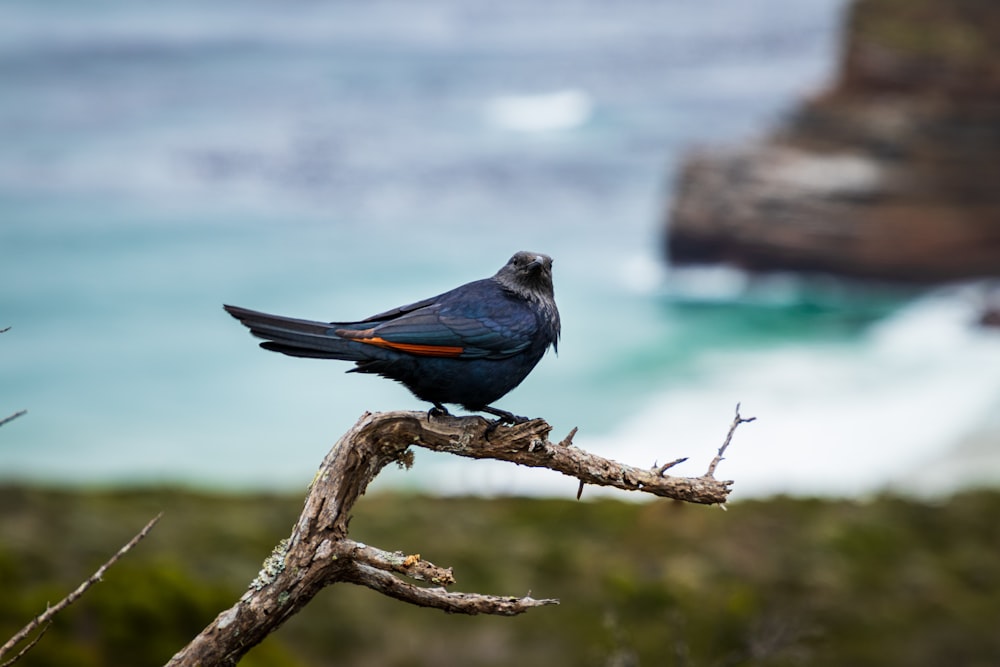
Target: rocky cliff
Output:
[(892, 173)]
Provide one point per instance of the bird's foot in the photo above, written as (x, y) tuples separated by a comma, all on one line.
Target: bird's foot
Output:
[(504, 417), (438, 411)]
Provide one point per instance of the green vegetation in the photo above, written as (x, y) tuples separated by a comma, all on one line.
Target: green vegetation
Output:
[(775, 582), (958, 33)]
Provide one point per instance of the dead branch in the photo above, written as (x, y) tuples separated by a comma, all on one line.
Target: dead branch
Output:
[(318, 553), (46, 617), (10, 418), (737, 420), (7, 419), (411, 566), (439, 598)]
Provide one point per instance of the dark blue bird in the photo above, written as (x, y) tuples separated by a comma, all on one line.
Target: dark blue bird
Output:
[(469, 346)]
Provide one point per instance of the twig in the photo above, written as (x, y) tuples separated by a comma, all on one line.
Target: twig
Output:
[(30, 645), (412, 566), (667, 466), (568, 440), (14, 416), (48, 614), (737, 420), (439, 598)]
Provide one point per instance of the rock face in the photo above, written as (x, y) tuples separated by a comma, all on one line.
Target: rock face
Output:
[(893, 173)]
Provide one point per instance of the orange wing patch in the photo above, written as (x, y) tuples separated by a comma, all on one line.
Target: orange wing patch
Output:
[(365, 336), (415, 348)]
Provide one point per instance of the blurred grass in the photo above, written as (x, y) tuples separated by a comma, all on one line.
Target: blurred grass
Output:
[(770, 582)]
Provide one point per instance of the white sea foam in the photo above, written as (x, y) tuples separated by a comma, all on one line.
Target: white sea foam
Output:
[(843, 419), (716, 282), (642, 273), (544, 112)]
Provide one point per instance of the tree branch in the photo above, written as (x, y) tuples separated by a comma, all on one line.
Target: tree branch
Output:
[(10, 418), (737, 420), (439, 598), (318, 553), (44, 618), (527, 444), (412, 566)]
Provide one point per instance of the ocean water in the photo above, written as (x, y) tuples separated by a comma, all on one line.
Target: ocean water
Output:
[(331, 160)]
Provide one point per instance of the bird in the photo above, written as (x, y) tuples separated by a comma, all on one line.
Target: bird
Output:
[(468, 346)]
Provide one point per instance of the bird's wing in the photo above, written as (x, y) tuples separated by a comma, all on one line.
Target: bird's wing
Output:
[(395, 312), (437, 331)]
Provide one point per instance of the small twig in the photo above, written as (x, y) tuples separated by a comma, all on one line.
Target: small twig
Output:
[(568, 440), (48, 614), (412, 566), (14, 416), (737, 420), (439, 598), (30, 645), (660, 470)]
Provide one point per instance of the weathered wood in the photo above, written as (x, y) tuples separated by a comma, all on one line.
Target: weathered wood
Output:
[(318, 553)]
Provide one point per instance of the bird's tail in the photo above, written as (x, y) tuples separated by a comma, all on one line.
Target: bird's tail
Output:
[(297, 338)]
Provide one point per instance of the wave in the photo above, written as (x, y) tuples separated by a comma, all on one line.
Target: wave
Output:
[(842, 418), (544, 112)]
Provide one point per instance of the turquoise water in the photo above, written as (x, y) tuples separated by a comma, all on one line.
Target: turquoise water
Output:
[(334, 160)]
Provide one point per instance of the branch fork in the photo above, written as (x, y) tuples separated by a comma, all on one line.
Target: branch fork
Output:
[(319, 553)]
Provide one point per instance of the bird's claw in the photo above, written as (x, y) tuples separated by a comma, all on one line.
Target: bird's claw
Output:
[(506, 418), (438, 411), (512, 419), (502, 417)]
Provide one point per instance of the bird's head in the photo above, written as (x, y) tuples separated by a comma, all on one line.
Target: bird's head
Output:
[(528, 274)]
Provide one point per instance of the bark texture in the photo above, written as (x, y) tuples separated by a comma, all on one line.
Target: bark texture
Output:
[(319, 553)]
